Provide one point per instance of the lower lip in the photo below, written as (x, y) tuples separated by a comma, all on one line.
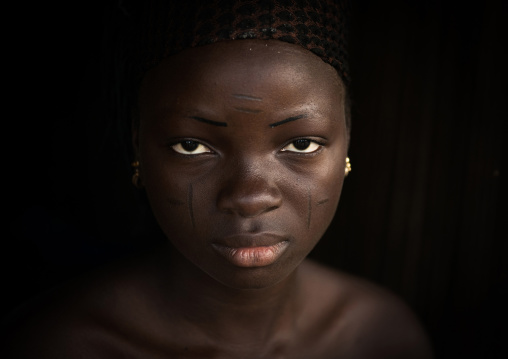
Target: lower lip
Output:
[(252, 256)]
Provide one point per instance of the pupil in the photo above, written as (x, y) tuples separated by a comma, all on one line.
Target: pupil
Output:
[(301, 144), (189, 145)]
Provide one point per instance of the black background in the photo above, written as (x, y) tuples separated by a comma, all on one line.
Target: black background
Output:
[(421, 213)]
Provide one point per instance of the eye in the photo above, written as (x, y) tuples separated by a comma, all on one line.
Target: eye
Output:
[(302, 145), (190, 147)]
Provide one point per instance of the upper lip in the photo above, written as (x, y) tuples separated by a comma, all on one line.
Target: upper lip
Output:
[(248, 240)]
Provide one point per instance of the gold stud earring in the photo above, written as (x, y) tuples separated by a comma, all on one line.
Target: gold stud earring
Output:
[(136, 180), (348, 167)]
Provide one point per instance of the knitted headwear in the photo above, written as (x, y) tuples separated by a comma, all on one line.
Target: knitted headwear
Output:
[(317, 25)]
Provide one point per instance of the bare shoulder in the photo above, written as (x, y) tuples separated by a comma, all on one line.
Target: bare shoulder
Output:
[(53, 324), (91, 316), (363, 319)]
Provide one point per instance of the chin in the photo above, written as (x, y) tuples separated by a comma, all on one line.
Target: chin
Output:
[(255, 278)]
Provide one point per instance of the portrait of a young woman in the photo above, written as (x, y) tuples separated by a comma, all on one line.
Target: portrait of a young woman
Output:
[(214, 218)]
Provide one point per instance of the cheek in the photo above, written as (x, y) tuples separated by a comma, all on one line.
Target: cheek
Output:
[(321, 190), (325, 202), (170, 197), (181, 199), (171, 206)]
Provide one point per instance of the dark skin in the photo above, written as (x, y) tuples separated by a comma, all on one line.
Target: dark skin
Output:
[(242, 147)]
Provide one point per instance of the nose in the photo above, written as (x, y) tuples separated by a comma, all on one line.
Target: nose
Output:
[(249, 190)]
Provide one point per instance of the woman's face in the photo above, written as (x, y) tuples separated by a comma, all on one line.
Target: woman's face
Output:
[(242, 148)]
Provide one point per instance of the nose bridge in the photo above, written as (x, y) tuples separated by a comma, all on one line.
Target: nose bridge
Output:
[(249, 187)]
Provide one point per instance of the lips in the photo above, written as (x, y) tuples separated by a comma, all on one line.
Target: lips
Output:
[(249, 250)]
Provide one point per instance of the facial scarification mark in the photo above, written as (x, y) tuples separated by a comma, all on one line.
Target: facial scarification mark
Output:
[(247, 97), (189, 202), (175, 202), (323, 201), (247, 110), (309, 209)]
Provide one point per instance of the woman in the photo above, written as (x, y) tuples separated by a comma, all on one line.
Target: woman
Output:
[(240, 133)]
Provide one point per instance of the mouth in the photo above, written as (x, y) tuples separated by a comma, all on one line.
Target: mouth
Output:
[(248, 251)]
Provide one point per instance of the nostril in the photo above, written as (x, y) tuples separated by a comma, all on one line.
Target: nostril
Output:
[(251, 214), (249, 201), (271, 208)]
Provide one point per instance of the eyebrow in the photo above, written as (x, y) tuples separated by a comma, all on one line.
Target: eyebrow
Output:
[(210, 122), (289, 119)]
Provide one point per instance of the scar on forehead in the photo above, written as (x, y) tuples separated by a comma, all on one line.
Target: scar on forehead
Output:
[(247, 110), (323, 201), (247, 97)]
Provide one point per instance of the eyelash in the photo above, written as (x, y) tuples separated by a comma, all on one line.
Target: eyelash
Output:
[(178, 147), (318, 143)]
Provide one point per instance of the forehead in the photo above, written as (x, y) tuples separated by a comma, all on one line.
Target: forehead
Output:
[(243, 60), (264, 68)]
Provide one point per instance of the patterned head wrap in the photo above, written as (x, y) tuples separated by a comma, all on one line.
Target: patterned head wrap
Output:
[(317, 25)]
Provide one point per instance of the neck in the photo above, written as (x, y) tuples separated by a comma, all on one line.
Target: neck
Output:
[(230, 314)]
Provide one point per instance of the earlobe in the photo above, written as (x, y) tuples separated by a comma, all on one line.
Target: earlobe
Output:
[(347, 169), (136, 178)]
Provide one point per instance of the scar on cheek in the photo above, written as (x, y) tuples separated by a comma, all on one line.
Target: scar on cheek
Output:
[(189, 202), (175, 202), (309, 209), (323, 201)]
